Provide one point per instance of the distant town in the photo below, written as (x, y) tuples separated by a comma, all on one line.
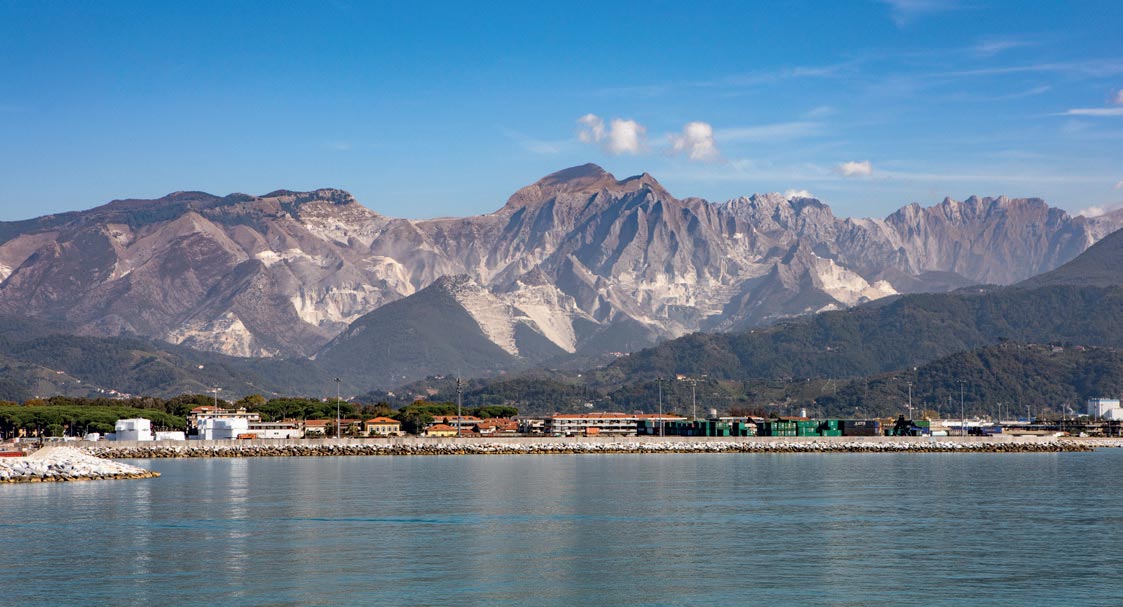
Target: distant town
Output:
[(1103, 417)]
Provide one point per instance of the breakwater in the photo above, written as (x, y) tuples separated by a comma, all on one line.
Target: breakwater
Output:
[(545, 446), (63, 464)]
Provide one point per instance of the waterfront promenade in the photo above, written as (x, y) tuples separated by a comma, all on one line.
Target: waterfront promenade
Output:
[(575, 445)]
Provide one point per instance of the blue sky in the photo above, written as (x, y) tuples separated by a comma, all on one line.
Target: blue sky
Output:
[(446, 109)]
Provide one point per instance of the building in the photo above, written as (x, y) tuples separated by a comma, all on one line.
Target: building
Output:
[(464, 421), (1107, 408), (205, 412), (497, 426), (282, 429), (382, 426), (444, 430), (222, 428), (351, 427), (591, 424), (138, 429), (317, 428)]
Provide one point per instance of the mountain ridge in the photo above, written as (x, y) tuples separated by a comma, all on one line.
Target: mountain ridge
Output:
[(595, 265)]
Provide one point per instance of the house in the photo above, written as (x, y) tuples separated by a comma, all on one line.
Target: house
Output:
[(443, 430), (317, 428), (497, 426), (351, 427), (463, 421), (382, 426)]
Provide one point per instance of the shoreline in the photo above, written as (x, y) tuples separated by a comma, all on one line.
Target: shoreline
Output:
[(588, 445)]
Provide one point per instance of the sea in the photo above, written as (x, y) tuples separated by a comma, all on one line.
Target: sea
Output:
[(912, 529)]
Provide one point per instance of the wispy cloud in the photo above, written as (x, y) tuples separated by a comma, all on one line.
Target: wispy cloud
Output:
[(534, 145), (781, 131), (904, 12), (855, 169), (791, 194), (1098, 112), (1119, 186), (1100, 68), (619, 137), (988, 47), (1118, 98), (696, 141), (1099, 209)]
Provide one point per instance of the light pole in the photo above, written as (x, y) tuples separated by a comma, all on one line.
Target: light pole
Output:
[(694, 399), (338, 417), (459, 404), (962, 410), (910, 400), (659, 380)]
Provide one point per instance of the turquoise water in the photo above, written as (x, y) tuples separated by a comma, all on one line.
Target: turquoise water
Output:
[(568, 530)]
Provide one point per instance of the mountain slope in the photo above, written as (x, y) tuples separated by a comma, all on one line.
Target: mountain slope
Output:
[(1099, 266)]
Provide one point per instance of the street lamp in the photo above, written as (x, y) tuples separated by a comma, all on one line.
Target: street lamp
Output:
[(659, 380), (338, 417), (459, 403)]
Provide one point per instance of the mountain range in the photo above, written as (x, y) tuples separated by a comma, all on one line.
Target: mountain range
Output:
[(1052, 339), (577, 265)]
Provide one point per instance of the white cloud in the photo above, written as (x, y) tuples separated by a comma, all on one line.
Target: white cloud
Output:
[(625, 137), (1119, 186), (621, 136), (1097, 210), (696, 141), (792, 194), (591, 128), (1095, 111), (855, 169), (1118, 98), (1091, 212)]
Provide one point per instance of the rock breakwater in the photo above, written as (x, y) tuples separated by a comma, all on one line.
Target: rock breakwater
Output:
[(547, 446), (62, 464)]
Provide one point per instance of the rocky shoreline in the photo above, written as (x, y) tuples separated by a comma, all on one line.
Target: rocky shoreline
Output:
[(547, 446), (65, 464)]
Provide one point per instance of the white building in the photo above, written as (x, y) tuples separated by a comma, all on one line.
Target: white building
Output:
[(586, 424), (223, 428), (1104, 407), (138, 429), (173, 435), (286, 429)]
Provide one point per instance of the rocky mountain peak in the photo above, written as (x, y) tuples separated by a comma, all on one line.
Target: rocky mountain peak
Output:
[(583, 181)]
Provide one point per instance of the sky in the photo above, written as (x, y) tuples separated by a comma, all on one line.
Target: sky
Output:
[(445, 109)]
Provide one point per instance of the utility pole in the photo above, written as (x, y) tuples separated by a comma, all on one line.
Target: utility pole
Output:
[(338, 417), (659, 380), (459, 404)]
